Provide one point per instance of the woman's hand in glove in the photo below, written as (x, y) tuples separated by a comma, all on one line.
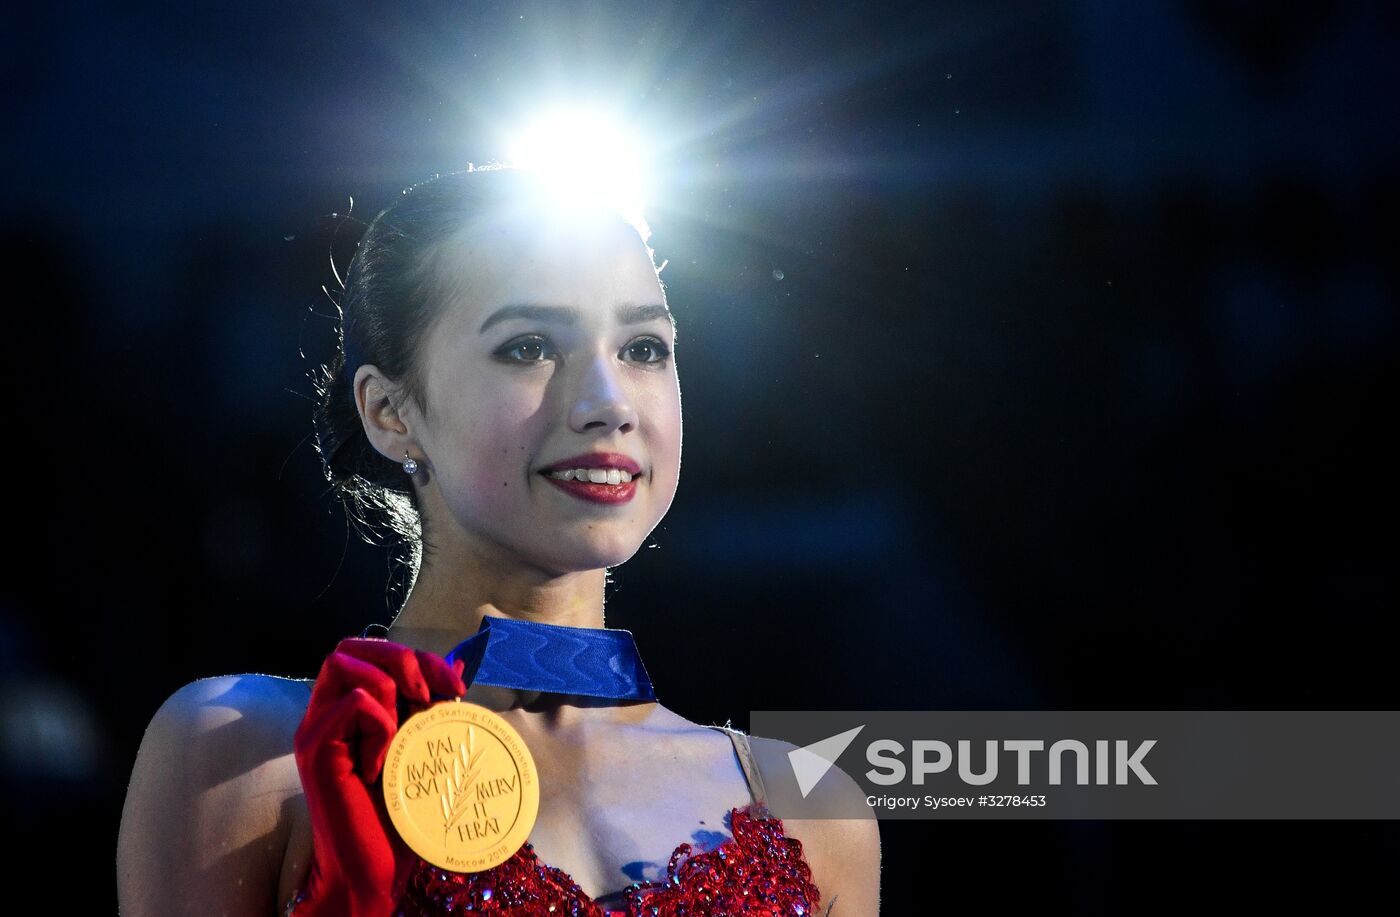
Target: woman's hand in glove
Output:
[(359, 865)]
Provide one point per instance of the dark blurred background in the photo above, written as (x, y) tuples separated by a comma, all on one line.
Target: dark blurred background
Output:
[(1034, 356)]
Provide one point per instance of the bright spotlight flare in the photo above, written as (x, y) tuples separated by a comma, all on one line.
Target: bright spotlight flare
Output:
[(584, 159)]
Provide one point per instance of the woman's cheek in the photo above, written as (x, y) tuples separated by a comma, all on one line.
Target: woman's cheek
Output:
[(500, 451)]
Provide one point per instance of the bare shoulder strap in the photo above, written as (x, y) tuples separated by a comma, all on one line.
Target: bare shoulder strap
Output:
[(752, 775)]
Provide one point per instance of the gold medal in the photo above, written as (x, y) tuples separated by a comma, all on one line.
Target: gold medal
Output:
[(461, 786)]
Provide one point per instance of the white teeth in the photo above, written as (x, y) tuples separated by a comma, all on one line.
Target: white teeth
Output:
[(594, 475)]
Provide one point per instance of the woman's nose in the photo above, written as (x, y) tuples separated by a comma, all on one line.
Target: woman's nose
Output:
[(601, 402)]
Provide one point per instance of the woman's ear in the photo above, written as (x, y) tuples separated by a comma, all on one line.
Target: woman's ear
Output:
[(382, 408)]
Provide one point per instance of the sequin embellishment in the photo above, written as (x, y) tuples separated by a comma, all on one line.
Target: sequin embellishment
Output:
[(759, 872)]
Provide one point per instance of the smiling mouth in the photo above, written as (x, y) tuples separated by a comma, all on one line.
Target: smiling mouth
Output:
[(568, 476)]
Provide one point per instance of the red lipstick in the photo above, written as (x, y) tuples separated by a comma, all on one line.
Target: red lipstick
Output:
[(587, 490), (597, 460)]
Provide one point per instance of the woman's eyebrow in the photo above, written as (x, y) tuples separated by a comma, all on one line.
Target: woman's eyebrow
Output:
[(626, 313)]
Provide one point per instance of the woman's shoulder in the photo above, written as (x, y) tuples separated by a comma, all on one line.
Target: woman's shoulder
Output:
[(245, 722), (242, 725), (250, 692), (260, 711), (836, 795), (210, 794)]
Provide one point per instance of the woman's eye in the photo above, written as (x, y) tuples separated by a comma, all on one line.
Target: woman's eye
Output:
[(537, 349), (643, 347), (533, 349)]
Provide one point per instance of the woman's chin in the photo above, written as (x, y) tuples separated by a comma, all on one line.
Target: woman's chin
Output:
[(593, 554)]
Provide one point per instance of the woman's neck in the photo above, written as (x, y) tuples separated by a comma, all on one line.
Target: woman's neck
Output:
[(438, 616), (448, 602)]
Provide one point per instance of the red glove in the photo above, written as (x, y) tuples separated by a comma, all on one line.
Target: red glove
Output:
[(359, 865)]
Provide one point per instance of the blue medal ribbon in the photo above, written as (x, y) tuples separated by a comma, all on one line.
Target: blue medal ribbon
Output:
[(533, 656)]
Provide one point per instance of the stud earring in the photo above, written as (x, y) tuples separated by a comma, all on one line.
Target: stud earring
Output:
[(409, 465)]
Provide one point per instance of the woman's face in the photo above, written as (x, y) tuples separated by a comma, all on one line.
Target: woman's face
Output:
[(588, 368)]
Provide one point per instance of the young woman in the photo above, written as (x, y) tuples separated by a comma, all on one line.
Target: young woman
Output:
[(510, 405)]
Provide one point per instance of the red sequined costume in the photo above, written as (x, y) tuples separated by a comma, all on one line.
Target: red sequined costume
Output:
[(758, 871)]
